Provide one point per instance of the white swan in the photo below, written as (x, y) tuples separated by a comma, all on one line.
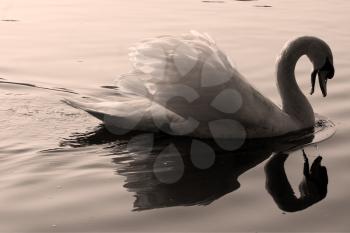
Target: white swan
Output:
[(187, 86)]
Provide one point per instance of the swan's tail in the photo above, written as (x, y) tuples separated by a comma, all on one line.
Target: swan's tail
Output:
[(87, 107)]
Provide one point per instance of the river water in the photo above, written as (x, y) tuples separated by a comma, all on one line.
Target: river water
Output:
[(61, 171)]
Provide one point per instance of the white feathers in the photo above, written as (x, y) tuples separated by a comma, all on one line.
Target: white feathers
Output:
[(132, 83), (168, 87), (192, 58)]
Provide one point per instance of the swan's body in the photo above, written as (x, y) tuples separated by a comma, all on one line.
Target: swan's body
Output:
[(181, 84)]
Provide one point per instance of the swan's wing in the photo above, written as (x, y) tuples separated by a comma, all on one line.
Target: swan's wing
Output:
[(135, 114), (118, 117), (98, 109), (166, 67), (193, 59)]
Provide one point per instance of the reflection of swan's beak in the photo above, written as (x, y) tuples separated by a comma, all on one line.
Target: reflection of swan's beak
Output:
[(319, 173), (314, 186), (317, 162)]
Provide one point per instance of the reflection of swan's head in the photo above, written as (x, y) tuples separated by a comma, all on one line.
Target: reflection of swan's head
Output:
[(312, 189), (322, 59), (314, 185)]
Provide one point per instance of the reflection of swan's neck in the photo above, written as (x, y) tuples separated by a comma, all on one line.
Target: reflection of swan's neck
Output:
[(278, 186), (294, 102)]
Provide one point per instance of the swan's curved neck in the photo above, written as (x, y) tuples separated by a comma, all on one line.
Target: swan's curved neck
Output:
[(294, 102)]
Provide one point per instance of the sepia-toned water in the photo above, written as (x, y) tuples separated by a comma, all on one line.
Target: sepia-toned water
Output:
[(61, 171)]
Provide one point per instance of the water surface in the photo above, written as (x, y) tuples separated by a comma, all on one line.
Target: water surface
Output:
[(60, 171)]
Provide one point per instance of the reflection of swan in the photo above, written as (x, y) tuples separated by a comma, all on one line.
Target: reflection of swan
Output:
[(312, 189), (208, 89), (195, 186)]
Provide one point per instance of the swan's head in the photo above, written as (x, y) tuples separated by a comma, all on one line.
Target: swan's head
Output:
[(322, 59)]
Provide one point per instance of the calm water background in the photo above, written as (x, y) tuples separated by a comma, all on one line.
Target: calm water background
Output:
[(48, 185)]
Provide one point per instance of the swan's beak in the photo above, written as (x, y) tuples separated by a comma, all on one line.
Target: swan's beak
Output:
[(322, 78), (325, 73), (313, 81)]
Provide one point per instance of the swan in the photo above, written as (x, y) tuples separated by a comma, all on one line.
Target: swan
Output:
[(186, 85)]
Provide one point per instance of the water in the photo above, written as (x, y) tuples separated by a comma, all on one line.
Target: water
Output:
[(60, 171)]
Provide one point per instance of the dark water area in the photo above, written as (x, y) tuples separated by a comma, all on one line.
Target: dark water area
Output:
[(164, 171)]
